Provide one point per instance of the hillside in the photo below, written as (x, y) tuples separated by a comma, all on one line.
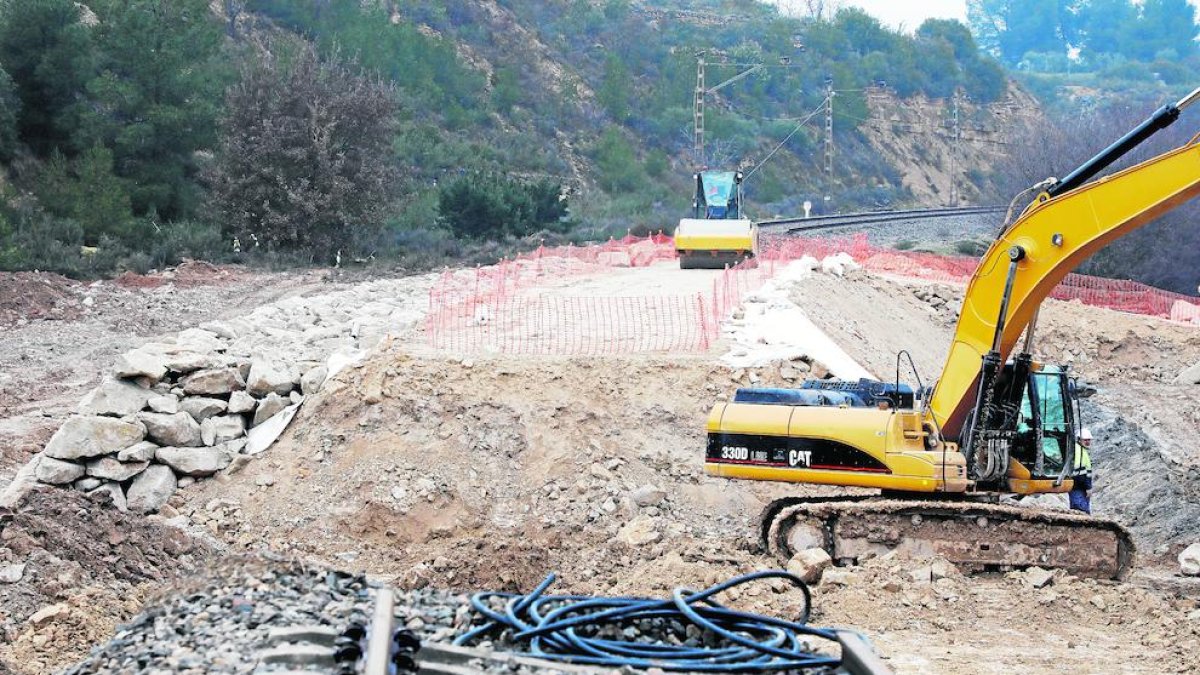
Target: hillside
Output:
[(420, 134), (600, 96)]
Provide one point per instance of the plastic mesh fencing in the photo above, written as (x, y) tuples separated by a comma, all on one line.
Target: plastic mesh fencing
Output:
[(507, 308), (1118, 294), (550, 325)]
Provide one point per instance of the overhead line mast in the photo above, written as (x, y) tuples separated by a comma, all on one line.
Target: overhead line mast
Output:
[(698, 103)]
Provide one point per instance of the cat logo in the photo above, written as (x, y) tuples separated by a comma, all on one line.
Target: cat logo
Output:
[(799, 457)]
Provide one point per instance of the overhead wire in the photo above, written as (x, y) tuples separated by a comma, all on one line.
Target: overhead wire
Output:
[(788, 138)]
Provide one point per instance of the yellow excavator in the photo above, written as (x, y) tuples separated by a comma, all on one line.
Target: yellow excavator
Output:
[(997, 423)]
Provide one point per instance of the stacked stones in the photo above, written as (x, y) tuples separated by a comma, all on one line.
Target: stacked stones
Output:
[(171, 413), (182, 408)]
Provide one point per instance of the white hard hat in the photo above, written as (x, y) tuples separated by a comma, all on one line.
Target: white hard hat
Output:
[(1085, 435)]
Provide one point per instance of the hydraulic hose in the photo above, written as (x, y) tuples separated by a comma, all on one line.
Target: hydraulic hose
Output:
[(572, 628)]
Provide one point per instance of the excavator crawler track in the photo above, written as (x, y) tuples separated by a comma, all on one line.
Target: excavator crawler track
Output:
[(977, 536)]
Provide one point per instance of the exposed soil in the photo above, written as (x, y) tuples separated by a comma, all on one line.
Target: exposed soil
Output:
[(490, 471), (29, 296), (86, 562), (491, 474)]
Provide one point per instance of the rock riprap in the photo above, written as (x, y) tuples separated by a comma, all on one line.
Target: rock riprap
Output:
[(184, 407)]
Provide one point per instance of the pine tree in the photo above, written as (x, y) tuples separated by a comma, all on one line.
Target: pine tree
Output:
[(157, 97), (10, 108), (85, 191), (1107, 26), (47, 50), (614, 90), (1166, 29)]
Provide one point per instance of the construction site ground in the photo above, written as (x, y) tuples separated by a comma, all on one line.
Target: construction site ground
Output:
[(486, 471)]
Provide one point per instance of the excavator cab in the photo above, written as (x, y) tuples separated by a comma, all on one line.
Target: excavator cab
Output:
[(1021, 435), (1045, 439)]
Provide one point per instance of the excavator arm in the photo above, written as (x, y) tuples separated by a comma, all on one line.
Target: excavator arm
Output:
[(1067, 224)]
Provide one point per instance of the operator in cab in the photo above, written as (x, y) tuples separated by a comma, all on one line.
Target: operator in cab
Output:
[(1081, 491)]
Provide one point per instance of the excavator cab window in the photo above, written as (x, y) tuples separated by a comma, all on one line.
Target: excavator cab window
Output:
[(1045, 407)]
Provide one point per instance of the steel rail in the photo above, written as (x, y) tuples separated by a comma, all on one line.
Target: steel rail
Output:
[(870, 218)]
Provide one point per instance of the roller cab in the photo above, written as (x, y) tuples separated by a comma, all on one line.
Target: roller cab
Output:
[(717, 234)]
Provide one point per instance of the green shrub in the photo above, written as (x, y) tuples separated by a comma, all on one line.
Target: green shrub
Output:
[(85, 190), (617, 165), (482, 205), (969, 247), (171, 243), (40, 241)]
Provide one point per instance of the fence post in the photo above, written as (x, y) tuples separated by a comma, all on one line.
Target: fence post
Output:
[(704, 342)]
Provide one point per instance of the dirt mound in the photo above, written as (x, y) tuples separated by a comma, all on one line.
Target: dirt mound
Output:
[(1101, 345), (1150, 478), (37, 295), (188, 274), (492, 472), (80, 566), (463, 473), (873, 318)]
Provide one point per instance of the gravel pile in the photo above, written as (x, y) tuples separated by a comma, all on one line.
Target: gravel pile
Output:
[(257, 617)]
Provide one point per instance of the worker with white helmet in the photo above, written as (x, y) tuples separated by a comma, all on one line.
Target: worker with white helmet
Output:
[(1081, 490)]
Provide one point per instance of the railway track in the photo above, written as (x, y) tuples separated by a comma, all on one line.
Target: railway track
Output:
[(815, 223)]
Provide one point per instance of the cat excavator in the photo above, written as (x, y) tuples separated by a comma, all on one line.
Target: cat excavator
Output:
[(938, 462)]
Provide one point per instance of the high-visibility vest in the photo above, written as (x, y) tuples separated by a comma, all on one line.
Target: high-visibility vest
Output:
[(1083, 461)]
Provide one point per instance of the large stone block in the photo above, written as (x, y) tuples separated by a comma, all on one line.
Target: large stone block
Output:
[(115, 470), (151, 489), (269, 407), (266, 377), (141, 363), (1189, 561), (216, 430), (202, 408), (58, 472), (213, 382), (81, 437), (115, 398), (178, 430), (142, 452), (195, 462)]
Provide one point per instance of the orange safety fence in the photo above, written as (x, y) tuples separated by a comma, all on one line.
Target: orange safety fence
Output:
[(1118, 294), (523, 306), (506, 308)]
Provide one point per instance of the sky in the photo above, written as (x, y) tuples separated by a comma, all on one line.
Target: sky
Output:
[(910, 14), (894, 13), (906, 13)]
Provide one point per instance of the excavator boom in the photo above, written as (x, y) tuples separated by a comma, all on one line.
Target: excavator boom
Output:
[(1056, 235)]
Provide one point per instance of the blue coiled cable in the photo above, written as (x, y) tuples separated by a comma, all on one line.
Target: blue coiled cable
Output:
[(551, 624)]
